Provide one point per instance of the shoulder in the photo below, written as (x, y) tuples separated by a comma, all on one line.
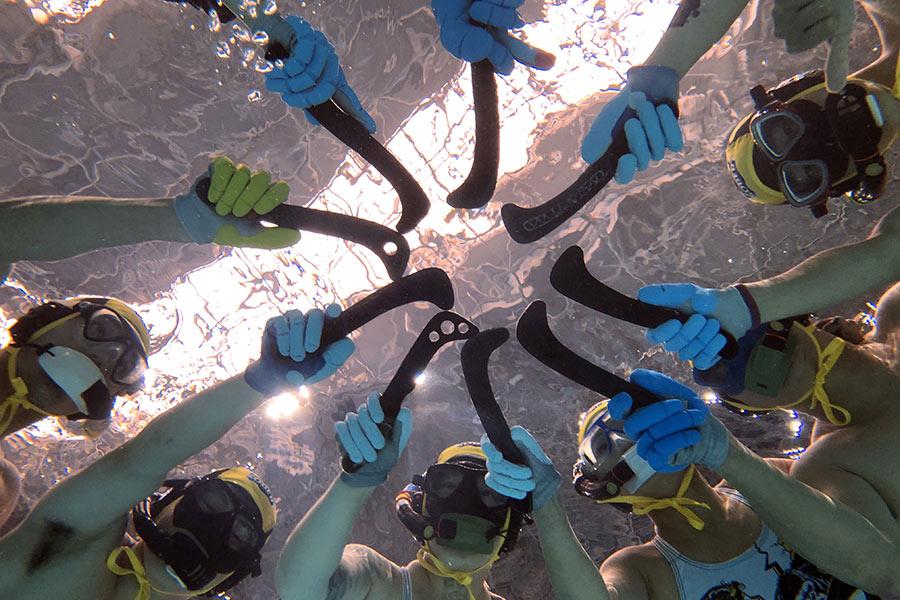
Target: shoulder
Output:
[(364, 573), (639, 572)]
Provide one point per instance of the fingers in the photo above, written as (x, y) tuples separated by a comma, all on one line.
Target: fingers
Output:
[(404, 422), (674, 139), (500, 466), (626, 168), (688, 331), (315, 320), (296, 333), (686, 419), (370, 428), (495, 14), (274, 196), (672, 295), (619, 406), (525, 441), (662, 385), (698, 344), (599, 137), (650, 123), (837, 65), (526, 54), (646, 417), (347, 443), (250, 195), (236, 185), (665, 332), (637, 143), (359, 438), (373, 403), (220, 171), (710, 355)]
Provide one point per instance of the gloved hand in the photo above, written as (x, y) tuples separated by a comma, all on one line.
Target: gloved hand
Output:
[(363, 441), (540, 477), (647, 91), (312, 74), (699, 339), (675, 432), (804, 24), (478, 30), (234, 192), (293, 340)]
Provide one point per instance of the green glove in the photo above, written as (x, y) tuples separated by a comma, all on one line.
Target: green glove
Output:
[(234, 192)]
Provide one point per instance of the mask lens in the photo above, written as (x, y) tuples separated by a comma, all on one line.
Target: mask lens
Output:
[(103, 326), (803, 183), (490, 498), (129, 368), (777, 132), (442, 482)]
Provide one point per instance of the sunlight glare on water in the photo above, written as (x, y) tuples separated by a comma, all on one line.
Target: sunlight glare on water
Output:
[(219, 310)]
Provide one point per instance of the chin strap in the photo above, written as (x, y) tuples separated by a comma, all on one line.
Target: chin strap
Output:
[(644, 504), (825, 361), (435, 566), (19, 398), (137, 569)]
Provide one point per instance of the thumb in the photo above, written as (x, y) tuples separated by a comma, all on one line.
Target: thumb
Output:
[(837, 65), (525, 53)]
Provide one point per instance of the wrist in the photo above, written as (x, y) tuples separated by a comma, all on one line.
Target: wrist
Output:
[(359, 493), (659, 83)]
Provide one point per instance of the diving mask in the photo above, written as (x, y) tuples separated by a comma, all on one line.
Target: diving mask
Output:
[(215, 527), (465, 513), (805, 149), (608, 463)]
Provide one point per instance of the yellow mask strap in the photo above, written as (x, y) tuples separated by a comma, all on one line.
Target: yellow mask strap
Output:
[(644, 504), (137, 569), (825, 360), (19, 398)]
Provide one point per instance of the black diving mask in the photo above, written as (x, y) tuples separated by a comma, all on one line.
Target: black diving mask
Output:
[(216, 529), (805, 150)]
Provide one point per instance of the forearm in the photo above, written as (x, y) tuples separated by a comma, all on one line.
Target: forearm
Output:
[(830, 534), (696, 26), (57, 227), (195, 423), (313, 551), (810, 287), (572, 572)]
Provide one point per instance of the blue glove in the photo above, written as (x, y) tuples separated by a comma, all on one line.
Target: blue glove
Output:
[(675, 432), (647, 90), (293, 340), (312, 75), (474, 31), (699, 339), (540, 477), (362, 440)]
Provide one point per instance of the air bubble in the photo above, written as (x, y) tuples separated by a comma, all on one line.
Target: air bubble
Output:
[(214, 23), (260, 38), (247, 55), (254, 96), (271, 8), (223, 50), (241, 32), (263, 66)]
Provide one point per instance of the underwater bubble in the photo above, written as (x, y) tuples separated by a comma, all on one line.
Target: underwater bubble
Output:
[(260, 38), (279, 64), (263, 66), (254, 96), (252, 12), (241, 32), (247, 55), (214, 23), (271, 8), (223, 50)]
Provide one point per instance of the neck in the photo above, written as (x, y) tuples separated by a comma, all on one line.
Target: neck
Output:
[(448, 588), (674, 528)]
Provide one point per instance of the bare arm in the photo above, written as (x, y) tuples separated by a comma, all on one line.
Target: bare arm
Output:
[(107, 489), (696, 26), (572, 572), (860, 267), (317, 563), (57, 227), (832, 534)]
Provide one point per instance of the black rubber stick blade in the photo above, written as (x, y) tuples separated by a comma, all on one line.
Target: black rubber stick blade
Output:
[(475, 356), (534, 334), (387, 244), (429, 285), (571, 278), (443, 328), (351, 132), (526, 225), (479, 186)]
